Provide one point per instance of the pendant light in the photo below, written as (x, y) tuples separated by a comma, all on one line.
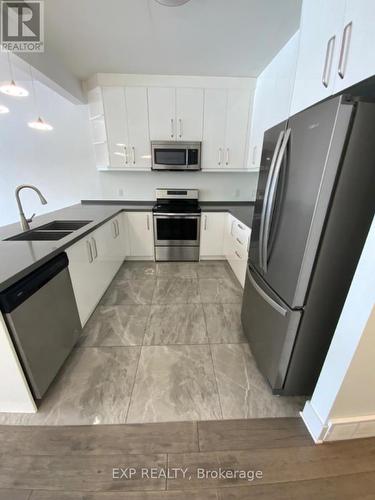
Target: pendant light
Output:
[(11, 88), (39, 123), (172, 3)]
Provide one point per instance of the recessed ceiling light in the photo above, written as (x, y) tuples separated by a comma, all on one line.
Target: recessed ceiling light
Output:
[(40, 124), (13, 90), (3, 109), (172, 3)]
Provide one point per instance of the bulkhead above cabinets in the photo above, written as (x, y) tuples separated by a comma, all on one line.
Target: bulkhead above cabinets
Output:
[(128, 112)]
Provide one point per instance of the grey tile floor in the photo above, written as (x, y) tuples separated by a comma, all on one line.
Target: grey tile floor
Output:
[(164, 344)]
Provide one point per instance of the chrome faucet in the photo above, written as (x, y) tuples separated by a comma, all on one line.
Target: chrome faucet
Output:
[(25, 222)]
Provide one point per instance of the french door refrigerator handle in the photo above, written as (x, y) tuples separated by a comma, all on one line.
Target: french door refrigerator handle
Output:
[(271, 197), (281, 310), (266, 194)]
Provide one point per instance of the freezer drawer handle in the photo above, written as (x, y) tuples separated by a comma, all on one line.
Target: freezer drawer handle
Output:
[(266, 297)]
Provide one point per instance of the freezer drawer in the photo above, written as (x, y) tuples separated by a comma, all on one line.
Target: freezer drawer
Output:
[(271, 328)]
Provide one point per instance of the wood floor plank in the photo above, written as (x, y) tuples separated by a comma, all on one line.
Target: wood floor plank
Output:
[(151, 495), (223, 435), (15, 494), (85, 473), (277, 464), (100, 440), (351, 487)]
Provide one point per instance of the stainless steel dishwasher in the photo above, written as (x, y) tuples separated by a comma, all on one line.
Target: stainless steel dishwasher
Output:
[(42, 317)]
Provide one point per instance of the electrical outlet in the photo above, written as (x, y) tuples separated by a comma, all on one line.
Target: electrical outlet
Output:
[(121, 192), (237, 193)]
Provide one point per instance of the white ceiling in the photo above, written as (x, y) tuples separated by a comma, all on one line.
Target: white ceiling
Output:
[(202, 37)]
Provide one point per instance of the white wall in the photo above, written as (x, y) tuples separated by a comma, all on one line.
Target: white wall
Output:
[(212, 186), (344, 394), (60, 162)]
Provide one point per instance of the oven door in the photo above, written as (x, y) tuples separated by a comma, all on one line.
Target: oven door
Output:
[(176, 230)]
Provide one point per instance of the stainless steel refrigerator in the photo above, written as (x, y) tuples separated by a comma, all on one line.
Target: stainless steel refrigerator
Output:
[(314, 205)]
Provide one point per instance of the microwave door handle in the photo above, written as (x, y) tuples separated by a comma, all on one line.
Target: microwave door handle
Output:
[(271, 198), (266, 196)]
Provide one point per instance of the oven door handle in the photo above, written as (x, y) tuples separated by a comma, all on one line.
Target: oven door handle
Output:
[(180, 216)]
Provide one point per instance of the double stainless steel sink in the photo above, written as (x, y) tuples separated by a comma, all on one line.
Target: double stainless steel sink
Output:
[(52, 231)]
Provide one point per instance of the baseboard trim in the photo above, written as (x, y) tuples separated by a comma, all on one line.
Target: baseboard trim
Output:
[(350, 428)]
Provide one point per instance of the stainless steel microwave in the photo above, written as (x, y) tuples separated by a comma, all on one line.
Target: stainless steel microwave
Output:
[(175, 155)]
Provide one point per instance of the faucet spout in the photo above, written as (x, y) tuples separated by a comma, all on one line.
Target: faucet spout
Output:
[(25, 221)]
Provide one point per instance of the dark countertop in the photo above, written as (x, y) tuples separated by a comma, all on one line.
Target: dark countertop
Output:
[(18, 258)]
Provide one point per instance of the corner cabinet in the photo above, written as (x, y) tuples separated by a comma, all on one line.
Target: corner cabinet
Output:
[(126, 119), (176, 114), (212, 234), (225, 128), (141, 234), (93, 263), (336, 49)]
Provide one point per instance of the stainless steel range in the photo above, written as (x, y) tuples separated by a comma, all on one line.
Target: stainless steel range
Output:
[(177, 216)]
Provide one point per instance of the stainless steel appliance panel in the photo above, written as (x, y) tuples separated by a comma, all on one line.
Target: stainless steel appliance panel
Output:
[(271, 328), (271, 147), (301, 188), (176, 253), (45, 328), (175, 155), (176, 230)]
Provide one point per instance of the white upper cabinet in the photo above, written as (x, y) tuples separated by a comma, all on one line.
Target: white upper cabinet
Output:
[(137, 116), (356, 44), (236, 128), (215, 110), (319, 51), (189, 114), (162, 105), (272, 99), (175, 114), (226, 117), (126, 118), (116, 124)]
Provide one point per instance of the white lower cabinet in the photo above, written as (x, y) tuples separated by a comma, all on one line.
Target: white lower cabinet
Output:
[(236, 246), (212, 234), (141, 234), (93, 262)]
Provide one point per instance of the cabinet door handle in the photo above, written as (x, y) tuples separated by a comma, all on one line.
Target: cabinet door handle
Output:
[(114, 232), (254, 154), (148, 223), (172, 127), (89, 251), (239, 241), (240, 227), (219, 156), (238, 255), (133, 151), (180, 126), (328, 61), (227, 157), (231, 228), (117, 228), (95, 249), (345, 44), (205, 222), (126, 154)]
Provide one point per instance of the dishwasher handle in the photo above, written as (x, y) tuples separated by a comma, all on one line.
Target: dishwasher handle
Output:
[(16, 294)]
